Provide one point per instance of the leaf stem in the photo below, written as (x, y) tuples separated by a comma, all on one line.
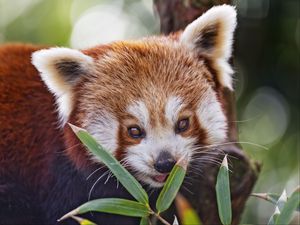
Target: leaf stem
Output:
[(162, 219), (149, 221)]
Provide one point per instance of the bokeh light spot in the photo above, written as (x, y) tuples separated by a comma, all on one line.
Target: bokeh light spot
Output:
[(105, 23), (270, 116)]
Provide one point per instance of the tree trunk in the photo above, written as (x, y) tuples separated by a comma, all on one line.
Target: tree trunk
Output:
[(176, 15)]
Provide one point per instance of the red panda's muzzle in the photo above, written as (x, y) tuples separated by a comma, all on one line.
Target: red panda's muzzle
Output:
[(164, 162), (160, 178)]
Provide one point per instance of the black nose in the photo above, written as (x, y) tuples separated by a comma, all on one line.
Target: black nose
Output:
[(164, 162)]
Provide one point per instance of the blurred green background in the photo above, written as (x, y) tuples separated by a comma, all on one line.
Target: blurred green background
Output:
[(267, 64)]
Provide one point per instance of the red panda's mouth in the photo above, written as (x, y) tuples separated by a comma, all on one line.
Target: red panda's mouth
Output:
[(160, 178)]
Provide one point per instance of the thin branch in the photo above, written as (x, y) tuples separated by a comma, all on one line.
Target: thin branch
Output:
[(162, 219)]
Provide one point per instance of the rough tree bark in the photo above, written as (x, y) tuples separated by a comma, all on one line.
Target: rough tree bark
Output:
[(174, 16)]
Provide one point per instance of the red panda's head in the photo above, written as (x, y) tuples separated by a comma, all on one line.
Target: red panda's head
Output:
[(150, 101)]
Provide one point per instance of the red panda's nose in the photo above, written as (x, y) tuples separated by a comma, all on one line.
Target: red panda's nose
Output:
[(164, 162)]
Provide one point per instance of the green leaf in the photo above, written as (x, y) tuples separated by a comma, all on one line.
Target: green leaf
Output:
[(274, 216), (82, 221), (270, 197), (289, 207), (282, 200), (126, 179), (111, 205), (278, 207), (144, 221), (223, 193), (190, 217), (186, 213), (171, 187)]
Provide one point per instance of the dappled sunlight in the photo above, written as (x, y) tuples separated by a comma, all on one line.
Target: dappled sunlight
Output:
[(266, 64), (270, 116), (106, 22), (10, 10), (98, 25)]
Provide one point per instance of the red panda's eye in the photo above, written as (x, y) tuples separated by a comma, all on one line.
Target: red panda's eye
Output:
[(182, 125), (136, 132)]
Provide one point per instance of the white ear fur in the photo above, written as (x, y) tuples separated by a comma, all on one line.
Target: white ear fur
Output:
[(60, 68), (218, 47)]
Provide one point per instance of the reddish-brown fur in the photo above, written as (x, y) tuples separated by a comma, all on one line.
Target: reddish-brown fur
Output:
[(28, 121), (152, 83), (27, 106), (139, 64)]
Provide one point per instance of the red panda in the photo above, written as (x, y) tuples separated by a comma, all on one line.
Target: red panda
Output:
[(149, 102)]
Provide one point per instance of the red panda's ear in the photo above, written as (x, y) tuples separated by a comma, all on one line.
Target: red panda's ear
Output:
[(60, 69), (211, 36)]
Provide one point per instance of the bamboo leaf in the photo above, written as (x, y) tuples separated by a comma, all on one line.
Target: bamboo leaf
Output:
[(172, 185), (144, 221), (126, 179), (223, 193), (274, 216), (187, 214), (82, 221), (175, 220), (111, 205), (282, 200), (270, 197), (289, 207), (278, 207)]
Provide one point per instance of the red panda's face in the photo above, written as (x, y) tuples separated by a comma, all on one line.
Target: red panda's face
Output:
[(149, 102)]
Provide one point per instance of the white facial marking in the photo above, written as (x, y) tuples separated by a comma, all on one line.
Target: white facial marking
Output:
[(104, 128), (140, 111), (172, 109), (212, 118), (142, 156)]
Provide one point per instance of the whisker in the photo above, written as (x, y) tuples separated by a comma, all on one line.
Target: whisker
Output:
[(246, 120), (151, 192), (110, 174), (66, 149), (234, 142), (207, 160), (91, 190), (210, 163), (95, 171), (194, 171), (207, 156), (185, 188), (214, 151), (186, 181), (118, 183)]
